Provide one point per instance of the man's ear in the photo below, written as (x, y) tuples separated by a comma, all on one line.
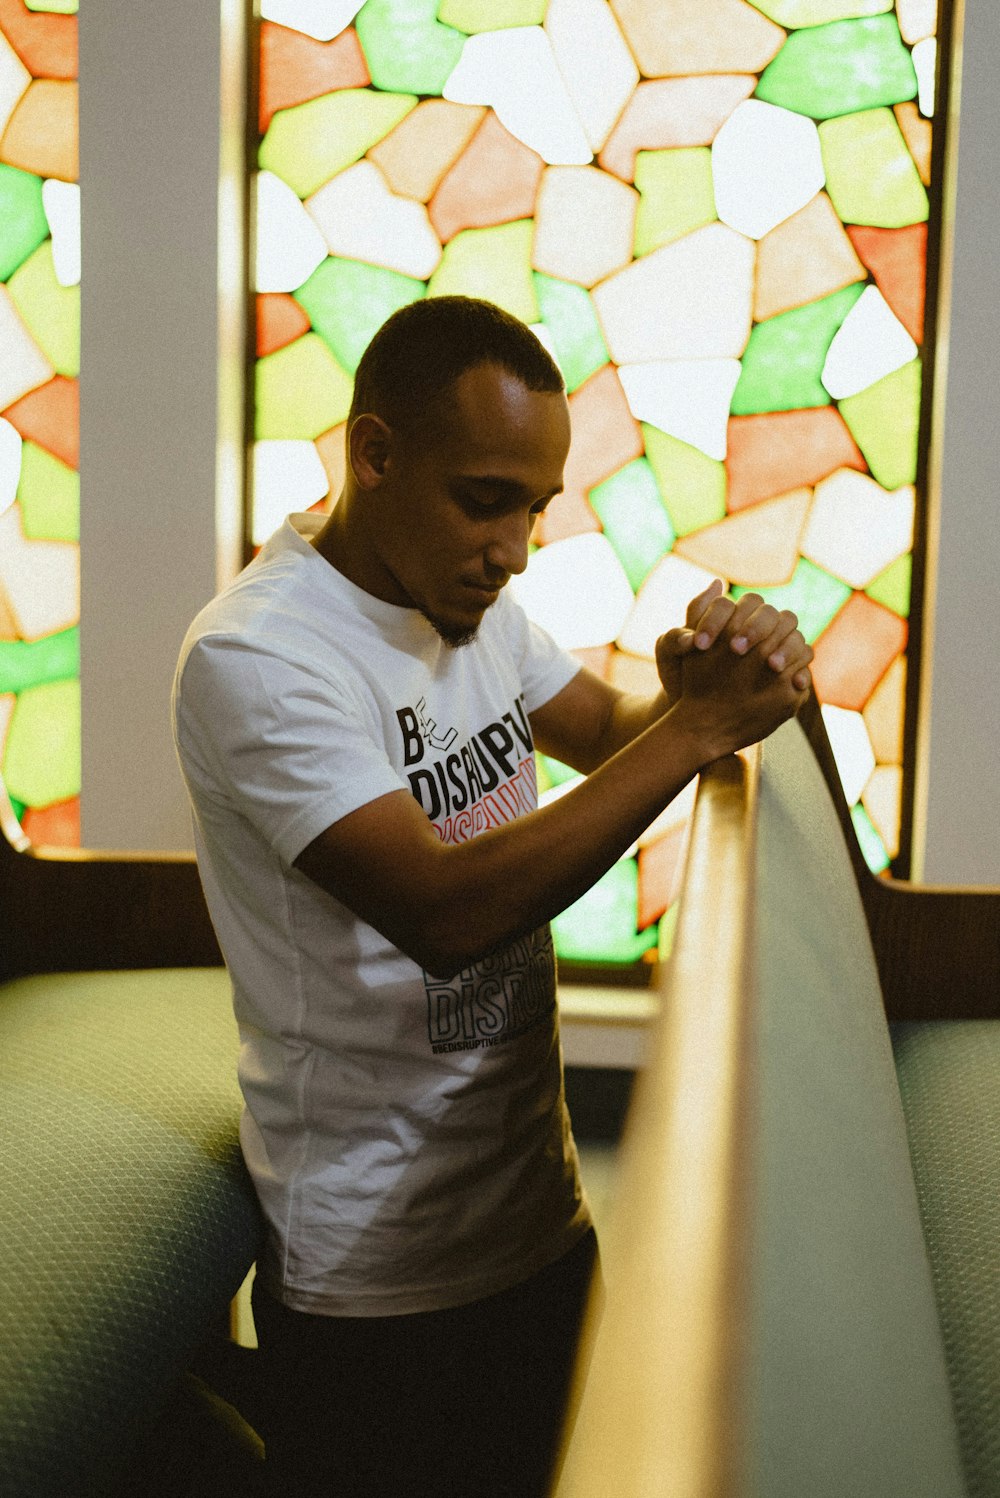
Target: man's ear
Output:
[(368, 445)]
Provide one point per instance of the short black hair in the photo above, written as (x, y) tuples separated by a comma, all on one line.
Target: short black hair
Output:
[(421, 350)]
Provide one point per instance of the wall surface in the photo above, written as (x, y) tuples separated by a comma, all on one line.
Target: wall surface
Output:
[(150, 151)]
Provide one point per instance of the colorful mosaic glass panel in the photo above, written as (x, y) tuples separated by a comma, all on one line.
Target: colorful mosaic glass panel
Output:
[(39, 417), (715, 216)]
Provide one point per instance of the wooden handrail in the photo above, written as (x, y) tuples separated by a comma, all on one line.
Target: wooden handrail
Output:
[(660, 1412)]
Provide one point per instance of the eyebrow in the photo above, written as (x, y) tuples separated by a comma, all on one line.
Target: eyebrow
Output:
[(503, 488)]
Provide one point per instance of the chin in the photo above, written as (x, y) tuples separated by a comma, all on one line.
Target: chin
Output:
[(451, 631)]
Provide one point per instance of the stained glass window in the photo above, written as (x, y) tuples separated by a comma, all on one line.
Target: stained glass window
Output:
[(39, 416), (714, 214)]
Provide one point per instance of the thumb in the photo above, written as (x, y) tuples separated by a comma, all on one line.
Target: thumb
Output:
[(698, 605), (676, 642)]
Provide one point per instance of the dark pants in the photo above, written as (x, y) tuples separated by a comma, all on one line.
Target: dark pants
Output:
[(461, 1403)]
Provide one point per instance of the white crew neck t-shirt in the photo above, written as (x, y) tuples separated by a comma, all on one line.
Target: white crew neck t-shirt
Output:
[(407, 1136)]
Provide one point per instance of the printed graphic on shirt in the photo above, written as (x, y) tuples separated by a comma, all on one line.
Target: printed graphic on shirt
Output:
[(493, 1001), (467, 788)]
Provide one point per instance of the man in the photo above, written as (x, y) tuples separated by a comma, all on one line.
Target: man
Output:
[(355, 717)]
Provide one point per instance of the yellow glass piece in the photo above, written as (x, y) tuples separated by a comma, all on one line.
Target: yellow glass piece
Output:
[(702, 289), (671, 37), (677, 195), (55, 7), (493, 263), (490, 15), (884, 714), (415, 156), (805, 258), (883, 801), (856, 529), (301, 390), (49, 496), (42, 753), (40, 579), (584, 224), (758, 546), (870, 174), (307, 145), (50, 312), (884, 422), (693, 485), (580, 31)]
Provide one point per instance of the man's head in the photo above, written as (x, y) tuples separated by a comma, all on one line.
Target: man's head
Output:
[(408, 370), (456, 442)]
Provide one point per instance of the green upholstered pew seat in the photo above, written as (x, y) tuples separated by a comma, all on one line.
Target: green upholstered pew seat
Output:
[(127, 1220)]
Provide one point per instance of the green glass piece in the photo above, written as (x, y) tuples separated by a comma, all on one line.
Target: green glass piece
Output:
[(784, 358), (23, 224), (676, 195), (634, 519), (19, 808), (817, 12), (892, 587), (870, 174), (491, 15), (840, 69), (301, 390), (601, 925), (49, 495), (555, 772), (692, 484), (42, 758), (568, 314), (872, 845), (494, 263), (884, 421), (56, 7), (29, 663), (348, 301), (310, 143), (812, 594), (50, 312), (406, 47)]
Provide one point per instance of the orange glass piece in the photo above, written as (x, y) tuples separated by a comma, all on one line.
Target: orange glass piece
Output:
[(8, 631), (43, 133), (45, 43), (606, 436), (806, 257), (661, 865), (758, 546), (897, 258), (884, 714), (414, 157), (669, 37), (855, 652), (494, 181), (778, 451), (280, 320), (596, 658), (664, 112), (918, 134), (333, 456), (50, 417), (295, 67), (57, 825)]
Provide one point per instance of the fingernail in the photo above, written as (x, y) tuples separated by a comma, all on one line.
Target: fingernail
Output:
[(703, 641), (739, 644), (777, 661)]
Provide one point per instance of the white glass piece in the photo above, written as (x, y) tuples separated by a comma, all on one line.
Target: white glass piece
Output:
[(595, 62), (10, 464), (856, 528), (23, 366), (361, 218), (287, 475), (61, 201), (925, 66), (577, 590), (851, 749), (14, 79), (689, 300), (289, 244), (515, 72), (41, 579), (544, 337), (8, 702), (883, 801), (870, 343), (584, 224), (917, 19), (766, 165), (689, 398), (323, 19), (662, 603)]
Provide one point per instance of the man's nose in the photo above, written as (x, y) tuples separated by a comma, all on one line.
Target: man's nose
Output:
[(508, 550)]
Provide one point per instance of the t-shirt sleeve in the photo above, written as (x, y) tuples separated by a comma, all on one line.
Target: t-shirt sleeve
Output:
[(266, 737), (545, 667)]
